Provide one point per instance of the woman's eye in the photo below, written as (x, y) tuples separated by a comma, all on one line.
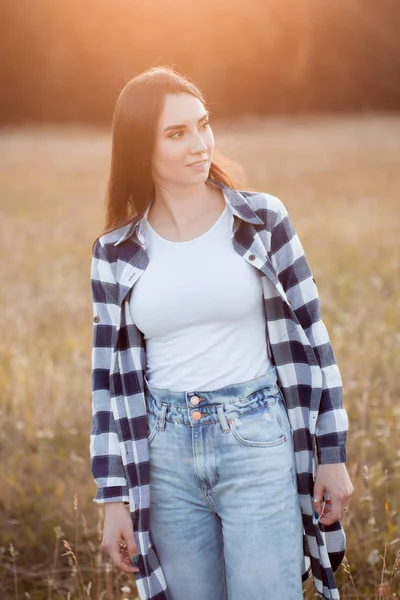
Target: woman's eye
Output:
[(179, 134)]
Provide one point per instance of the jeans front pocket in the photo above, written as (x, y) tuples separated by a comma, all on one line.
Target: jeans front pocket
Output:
[(260, 425)]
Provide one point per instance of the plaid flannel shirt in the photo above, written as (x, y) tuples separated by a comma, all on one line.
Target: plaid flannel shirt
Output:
[(308, 376)]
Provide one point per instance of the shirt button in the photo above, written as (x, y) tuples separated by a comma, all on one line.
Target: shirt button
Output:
[(195, 400), (196, 415), (96, 319), (251, 257)]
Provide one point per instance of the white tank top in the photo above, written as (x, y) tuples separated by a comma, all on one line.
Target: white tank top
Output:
[(200, 308)]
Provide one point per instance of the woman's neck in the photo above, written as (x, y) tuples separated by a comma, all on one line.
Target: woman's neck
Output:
[(184, 213)]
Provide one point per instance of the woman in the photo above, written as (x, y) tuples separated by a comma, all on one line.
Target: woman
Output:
[(217, 411)]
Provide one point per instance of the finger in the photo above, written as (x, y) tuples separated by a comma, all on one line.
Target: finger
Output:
[(132, 550), (128, 559), (118, 559), (130, 543), (123, 549), (317, 500), (327, 508), (332, 512)]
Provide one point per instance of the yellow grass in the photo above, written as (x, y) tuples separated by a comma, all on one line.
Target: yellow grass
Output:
[(340, 179)]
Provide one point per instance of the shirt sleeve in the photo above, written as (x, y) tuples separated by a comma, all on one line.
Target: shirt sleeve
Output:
[(296, 278), (105, 456)]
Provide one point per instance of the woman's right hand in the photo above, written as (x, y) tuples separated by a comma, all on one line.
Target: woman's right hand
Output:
[(118, 539)]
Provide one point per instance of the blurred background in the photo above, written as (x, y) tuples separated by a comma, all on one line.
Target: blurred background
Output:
[(67, 63), (305, 95)]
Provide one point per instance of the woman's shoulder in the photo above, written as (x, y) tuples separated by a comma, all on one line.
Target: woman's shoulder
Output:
[(262, 199), (106, 243), (113, 236), (267, 206), (257, 200)]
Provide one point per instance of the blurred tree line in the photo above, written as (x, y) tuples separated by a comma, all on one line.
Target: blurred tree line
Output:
[(67, 61)]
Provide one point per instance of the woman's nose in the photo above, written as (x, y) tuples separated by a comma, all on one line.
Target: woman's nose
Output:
[(197, 144)]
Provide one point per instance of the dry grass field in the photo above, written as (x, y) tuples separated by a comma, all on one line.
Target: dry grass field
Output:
[(340, 180)]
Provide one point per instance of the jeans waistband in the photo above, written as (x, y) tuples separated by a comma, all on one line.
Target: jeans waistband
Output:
[(228, 393)]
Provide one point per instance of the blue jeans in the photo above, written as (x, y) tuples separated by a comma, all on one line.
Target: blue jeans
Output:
[(225, 517)]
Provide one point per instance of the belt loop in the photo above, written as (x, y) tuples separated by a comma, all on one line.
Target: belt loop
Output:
[(161, 418), (222, 418)]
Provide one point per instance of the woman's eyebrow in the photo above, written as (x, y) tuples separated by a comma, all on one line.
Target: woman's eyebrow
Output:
[(182, 126)]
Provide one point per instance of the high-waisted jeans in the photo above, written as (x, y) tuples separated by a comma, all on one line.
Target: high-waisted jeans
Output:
[(225, 517)]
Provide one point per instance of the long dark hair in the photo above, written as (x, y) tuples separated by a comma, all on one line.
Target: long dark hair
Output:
[(130, 187)]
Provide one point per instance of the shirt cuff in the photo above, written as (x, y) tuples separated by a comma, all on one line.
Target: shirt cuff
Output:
[(335, 454), (112, 494)]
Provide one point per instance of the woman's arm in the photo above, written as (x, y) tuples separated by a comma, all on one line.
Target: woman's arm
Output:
[(106, 462), (331, 477), (296, 278)]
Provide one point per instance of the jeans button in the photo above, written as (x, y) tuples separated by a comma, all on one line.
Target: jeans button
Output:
[(195, 400), (196, 415)]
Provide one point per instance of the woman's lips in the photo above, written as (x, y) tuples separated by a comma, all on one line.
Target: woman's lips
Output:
[(198, 165)]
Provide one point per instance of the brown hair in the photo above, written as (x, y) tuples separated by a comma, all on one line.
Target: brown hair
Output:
[(130, 187)]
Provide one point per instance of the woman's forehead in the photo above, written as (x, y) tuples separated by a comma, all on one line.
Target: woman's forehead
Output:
[(180, 109)]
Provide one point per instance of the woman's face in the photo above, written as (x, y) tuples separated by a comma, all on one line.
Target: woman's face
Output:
[(184, 142)]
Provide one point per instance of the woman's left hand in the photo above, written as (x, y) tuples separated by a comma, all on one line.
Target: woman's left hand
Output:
[(334, 481)]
